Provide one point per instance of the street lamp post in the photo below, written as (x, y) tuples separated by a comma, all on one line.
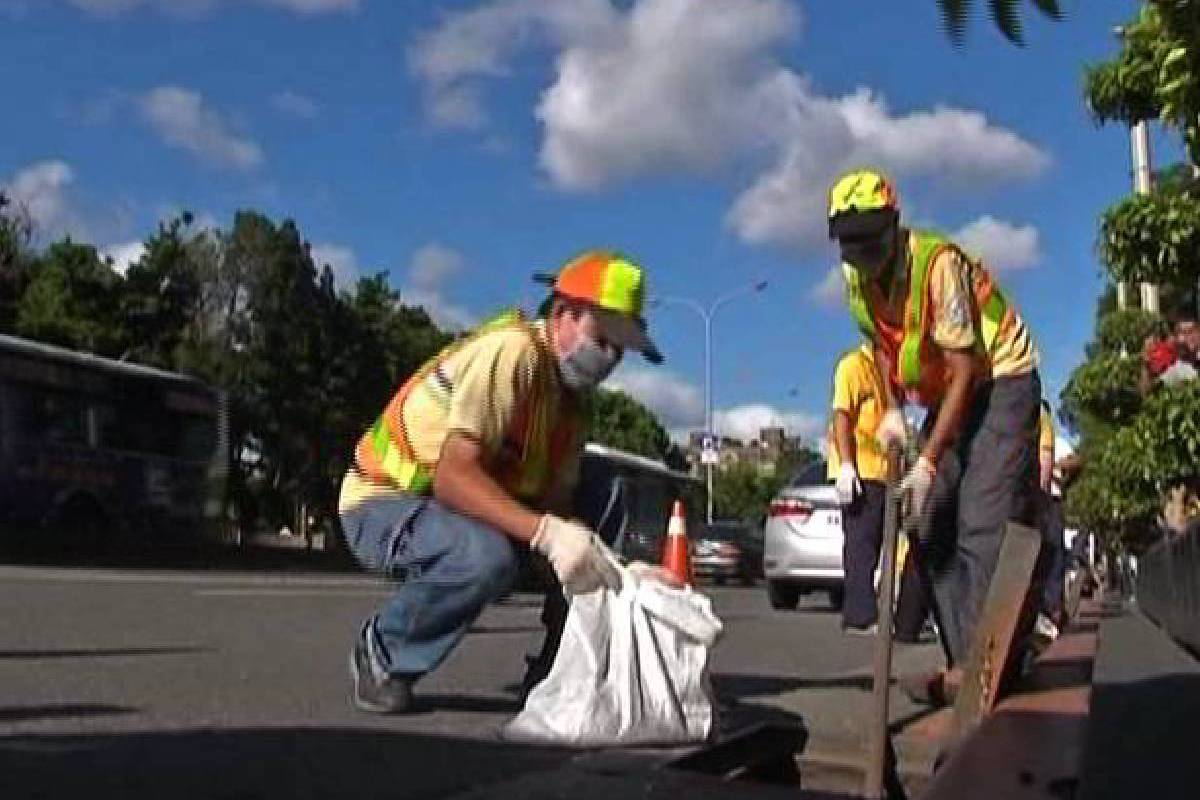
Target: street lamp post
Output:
[(706, 314)]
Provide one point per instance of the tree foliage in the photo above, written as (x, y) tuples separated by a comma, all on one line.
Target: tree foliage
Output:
[(1156, 74), (1134, 448), (1153, 237), (1005, 15), (617, 420)]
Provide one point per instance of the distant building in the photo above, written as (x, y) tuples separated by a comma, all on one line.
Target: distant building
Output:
[(764, 453)]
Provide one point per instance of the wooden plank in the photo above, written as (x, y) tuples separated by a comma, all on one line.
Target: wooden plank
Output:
[(993, 642)]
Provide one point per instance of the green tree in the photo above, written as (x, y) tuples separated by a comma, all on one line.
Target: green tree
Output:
[(162, 299), (617, 420), (1134, 447), (72, 299), (16, 231)]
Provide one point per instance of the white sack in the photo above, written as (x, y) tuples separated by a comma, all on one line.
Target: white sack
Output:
[(632, 669)]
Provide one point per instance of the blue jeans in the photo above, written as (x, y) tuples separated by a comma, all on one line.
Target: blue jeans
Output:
[(447, 567)]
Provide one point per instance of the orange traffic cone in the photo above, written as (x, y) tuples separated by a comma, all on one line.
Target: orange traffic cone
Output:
[(676, 556)]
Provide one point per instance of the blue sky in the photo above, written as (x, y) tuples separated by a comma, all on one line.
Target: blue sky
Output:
[(462, 145)]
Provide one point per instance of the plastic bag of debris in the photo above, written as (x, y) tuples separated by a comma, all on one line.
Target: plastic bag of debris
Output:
[(632, 669)]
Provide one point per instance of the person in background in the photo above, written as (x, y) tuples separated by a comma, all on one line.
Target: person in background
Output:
[(1053, 557), (859, 470)]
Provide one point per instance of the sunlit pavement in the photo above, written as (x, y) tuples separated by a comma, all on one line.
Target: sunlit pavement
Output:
[(187, 672)]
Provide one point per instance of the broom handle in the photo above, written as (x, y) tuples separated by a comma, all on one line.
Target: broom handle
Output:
[(877, 734)]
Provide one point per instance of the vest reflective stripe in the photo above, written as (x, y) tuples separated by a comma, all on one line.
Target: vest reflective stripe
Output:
[(994, 312), (530, 453)]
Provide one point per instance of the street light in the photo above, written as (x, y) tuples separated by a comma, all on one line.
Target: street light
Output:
[(707, 315)]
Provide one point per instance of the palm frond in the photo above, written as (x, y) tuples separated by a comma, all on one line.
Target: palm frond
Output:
[(954, 17), (1004, 14)]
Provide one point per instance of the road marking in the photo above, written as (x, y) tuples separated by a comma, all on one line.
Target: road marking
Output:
[(91, 575), (313, 592)]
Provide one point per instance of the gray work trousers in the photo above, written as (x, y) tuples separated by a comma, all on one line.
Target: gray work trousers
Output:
[(986, 479)]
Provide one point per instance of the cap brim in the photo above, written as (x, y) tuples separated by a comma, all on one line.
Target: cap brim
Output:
[(861, 225), (629, 333)]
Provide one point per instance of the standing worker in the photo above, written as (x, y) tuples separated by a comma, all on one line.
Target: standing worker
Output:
[(1054, 549), (859, 469), (476, 455), (957, 346)]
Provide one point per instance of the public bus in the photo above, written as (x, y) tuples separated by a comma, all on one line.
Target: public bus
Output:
[(92, 448), (627, 499)]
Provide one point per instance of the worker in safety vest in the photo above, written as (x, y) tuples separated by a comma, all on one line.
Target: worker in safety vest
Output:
[(957, 346), (859, 469), (475, 456)]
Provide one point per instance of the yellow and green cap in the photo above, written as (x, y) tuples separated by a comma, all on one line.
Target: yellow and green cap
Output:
[(861, 203), (616, 285)]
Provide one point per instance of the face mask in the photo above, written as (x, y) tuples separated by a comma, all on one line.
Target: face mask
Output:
[(869, 255), (587, 365)]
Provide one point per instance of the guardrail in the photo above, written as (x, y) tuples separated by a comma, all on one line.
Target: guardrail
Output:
[(1168, 586)]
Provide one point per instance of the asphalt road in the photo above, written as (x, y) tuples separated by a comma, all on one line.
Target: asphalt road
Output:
[(154, 683)]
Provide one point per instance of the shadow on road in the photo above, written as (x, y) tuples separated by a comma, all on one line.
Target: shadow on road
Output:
[(260, 763), (117, 652), (62, 710), (738, 686)]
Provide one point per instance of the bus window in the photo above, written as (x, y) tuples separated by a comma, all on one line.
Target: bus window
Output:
[(53, 417), (197, 438)]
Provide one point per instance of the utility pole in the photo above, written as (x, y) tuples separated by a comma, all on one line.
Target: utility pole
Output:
[(1139, 136), (707, 313)]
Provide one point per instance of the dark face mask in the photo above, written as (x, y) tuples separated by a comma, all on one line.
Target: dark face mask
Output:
[(871, 255)]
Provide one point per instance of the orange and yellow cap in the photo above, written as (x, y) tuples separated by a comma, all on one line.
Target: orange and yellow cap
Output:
[(614, 284)]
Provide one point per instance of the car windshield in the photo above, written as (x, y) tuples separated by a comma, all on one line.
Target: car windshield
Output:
[(813, 474)]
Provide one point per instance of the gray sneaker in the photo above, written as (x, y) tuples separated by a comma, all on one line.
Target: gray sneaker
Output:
[(374, 689)]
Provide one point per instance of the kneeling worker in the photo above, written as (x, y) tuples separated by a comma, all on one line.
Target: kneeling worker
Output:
[(476, 455), (957, 346)]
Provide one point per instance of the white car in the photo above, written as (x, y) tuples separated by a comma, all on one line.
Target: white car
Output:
[(803, 540)]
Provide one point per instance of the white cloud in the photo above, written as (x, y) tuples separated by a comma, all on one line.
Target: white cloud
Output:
[(679, 406), (744, 422), (696, 86), (341, 260), (677, 403), (183, 120), (433, 264), (830, 292), (191, 7), (1002, 245), (44, 193), (124, 254), (295, 104), (39, 192), (430, 267)]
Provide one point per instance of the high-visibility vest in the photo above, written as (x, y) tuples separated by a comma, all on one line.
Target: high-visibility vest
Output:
[(541, 436), (915, 363)]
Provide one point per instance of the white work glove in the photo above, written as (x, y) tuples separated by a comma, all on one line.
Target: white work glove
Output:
[(847, 484), (917, 483), (581, 561), (648, 572), (891, 429)]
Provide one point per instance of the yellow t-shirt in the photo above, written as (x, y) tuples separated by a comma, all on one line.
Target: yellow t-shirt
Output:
[(858, 391), (1046, 433), (952, 304), (474, 392)]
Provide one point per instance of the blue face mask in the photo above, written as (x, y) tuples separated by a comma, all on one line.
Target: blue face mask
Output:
[(587, 365)]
